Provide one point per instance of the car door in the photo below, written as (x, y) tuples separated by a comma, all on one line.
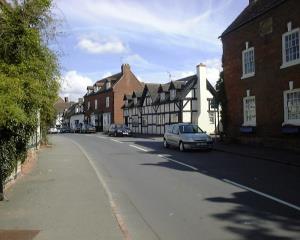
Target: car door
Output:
[(175, 135), (168, 134)]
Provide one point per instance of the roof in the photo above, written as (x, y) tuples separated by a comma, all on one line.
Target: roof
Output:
[(61, 105), (101, 83), (251, 12)]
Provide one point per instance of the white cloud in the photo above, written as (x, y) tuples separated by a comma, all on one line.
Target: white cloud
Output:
[(101, 46), (73, 85), (138, 61), (184, 24)]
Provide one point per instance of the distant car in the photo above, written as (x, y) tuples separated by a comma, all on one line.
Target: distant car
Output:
[(53, 130), (65, 130), (187, 136), (119, 130), (87, 128), (76, 129)]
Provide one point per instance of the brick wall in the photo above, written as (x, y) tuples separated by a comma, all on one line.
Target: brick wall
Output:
[(126, 85), (269, 81)]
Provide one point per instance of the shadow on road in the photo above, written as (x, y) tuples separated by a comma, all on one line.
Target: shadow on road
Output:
[(251, 216)]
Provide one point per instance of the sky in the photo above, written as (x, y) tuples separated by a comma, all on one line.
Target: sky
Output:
[(162, 40)]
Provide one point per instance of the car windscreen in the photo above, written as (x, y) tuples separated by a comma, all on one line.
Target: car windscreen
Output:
[(190, 129)]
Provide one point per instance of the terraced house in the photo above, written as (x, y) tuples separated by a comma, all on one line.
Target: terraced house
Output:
[(103, 101), (261, 59), (189, 100)]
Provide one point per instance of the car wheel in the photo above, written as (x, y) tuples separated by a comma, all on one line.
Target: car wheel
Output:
[(166, 145), (181, 147)]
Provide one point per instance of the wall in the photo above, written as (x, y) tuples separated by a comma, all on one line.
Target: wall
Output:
[(269, 81), (126, 85)]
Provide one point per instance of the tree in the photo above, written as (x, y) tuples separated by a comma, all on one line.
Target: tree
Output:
[(29, 73), (222, 99)]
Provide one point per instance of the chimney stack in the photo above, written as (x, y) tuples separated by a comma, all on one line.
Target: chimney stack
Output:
[(125, 67), (80, 100), (66, 99)]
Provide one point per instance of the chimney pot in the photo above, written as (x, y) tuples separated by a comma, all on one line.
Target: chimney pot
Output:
[(66, 99)]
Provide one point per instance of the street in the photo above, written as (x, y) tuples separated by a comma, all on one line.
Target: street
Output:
[(165, 194)]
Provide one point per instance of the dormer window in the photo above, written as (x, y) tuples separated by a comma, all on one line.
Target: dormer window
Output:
[(172, 94), (126, 102), (135, 101), (95, 88), (108, 85), (162, 96)]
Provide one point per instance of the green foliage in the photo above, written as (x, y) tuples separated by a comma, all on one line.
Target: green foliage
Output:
[(29, 73), (222, 99)]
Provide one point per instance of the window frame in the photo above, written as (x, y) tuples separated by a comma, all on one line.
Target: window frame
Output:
[(286, 64), (286, 120), (253, 122), (107, 102), (251, 74), (96, 104)]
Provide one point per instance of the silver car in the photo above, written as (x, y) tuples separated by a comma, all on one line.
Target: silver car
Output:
[(187, 136)]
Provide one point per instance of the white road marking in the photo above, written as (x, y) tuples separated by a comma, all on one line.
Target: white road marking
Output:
[(142, 149), (183, 164), (263, 194), (116, 212), (116, 140), (101, 137)]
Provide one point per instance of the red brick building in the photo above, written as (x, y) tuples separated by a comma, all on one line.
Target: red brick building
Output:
[(261, 60), (103, 101)]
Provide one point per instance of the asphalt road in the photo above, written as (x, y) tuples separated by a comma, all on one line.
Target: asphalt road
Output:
[(165, 194)]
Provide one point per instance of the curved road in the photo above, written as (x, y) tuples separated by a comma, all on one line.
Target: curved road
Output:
[(165, 194)]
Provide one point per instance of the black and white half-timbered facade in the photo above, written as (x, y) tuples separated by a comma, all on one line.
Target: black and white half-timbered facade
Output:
[(189, 100)]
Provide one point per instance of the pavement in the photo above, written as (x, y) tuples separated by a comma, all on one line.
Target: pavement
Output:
[(62, 198), (263, 153)]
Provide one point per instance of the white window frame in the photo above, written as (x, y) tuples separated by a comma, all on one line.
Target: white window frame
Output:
[(135, 101), (284, 62), (96, 104), (253, 122), (108, 85), (162, 96), (89, 105), (251, 74), (286, 120), (107, 102)]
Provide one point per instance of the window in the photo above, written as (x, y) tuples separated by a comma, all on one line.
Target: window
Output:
[(89, 105), (162, 96), (135, 101), (144, 121), (292, 107), (135, 121), (248, 62), (107, 102), (175, 129), (249, 111), (96, 104), (172, 94), (291, 48), (108, 85), (211, 116)]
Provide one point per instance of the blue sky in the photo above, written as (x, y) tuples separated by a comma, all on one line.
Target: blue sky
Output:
[(155, 37)]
